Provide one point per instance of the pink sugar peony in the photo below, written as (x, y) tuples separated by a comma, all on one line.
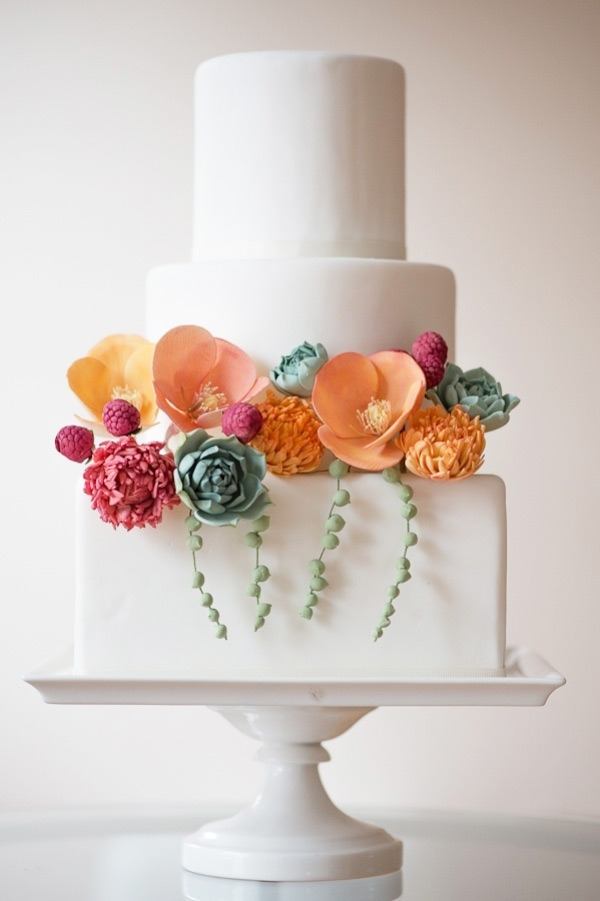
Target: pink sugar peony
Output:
[(130, 483)]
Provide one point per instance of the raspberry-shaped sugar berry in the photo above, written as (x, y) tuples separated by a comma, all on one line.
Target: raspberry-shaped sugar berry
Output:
[(431, 351), (120, 417), (242, 420), (75, 443)]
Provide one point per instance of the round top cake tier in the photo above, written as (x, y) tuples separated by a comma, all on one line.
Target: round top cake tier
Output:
[(299, 154)]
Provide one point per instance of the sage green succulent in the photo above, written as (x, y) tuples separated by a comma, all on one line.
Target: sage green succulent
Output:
[(297, 370), (477, 393), (220, 479)]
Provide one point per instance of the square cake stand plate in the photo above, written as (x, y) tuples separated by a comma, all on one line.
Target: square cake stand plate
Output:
[(293, 832)]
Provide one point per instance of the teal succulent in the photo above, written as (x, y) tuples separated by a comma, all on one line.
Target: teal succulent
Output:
[(477, 393), (220, 479), (296, 371)]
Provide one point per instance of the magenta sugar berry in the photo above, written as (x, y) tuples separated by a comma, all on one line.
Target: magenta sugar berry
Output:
[(120, 417), (242, 420), (430, 344), (75, 443), (431, 351)]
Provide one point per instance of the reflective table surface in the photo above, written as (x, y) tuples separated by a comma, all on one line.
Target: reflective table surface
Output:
[(134, 855)]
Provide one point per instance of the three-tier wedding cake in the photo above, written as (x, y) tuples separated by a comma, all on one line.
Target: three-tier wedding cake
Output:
[(299, 261)]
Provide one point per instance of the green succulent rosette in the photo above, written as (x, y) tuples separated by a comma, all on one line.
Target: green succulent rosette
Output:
[(220, 479), (296, 371), (477, 393)]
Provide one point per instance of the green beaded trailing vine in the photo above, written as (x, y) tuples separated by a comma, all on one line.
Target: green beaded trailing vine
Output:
[(194, 543), (334, 524), (408, 511), (260, 573)]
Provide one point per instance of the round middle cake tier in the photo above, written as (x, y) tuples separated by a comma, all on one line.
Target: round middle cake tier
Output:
[(267, 307)]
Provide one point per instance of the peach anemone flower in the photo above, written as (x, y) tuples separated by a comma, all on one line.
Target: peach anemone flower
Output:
[(197, 376), (363, 403), (119, 366)]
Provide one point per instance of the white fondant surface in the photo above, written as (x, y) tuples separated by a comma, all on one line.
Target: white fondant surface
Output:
[(268, 307), (299, 154), (136, 611)]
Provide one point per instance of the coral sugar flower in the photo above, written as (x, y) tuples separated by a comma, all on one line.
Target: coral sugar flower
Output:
[(440, 445), (119, 366), (363, 403), (197, 376)]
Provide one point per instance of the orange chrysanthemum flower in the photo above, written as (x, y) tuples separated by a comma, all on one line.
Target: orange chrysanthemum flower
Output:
[(288, 436), (441, 446)]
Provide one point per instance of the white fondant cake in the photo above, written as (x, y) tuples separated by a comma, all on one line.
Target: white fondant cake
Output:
[(299, 235), (138, 614)]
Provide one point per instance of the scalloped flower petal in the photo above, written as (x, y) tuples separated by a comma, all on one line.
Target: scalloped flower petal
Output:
[(412, 401), (360, 452), (183, 358), (399, 373), (344, 385), (92, 382), (138, 375), (234, 373), (260, 385), (177, 417), (115, 350)]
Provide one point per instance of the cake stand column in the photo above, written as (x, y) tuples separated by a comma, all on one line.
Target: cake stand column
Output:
[(292, 831)]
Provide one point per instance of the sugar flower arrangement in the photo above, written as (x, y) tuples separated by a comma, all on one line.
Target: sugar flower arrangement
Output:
[(387, 412)]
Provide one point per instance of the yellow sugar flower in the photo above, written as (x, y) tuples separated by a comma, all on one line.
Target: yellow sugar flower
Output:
[(288, 436), (439, 445), (119, 366)]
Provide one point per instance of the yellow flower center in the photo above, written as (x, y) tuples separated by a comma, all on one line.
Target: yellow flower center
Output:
[(208, 399), (129, 394), (375, 419)]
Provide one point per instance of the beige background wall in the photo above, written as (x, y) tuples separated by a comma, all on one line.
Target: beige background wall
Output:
[(503, 187)]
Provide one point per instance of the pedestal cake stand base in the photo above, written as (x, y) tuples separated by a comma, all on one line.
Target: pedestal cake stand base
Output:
[(293, 832)]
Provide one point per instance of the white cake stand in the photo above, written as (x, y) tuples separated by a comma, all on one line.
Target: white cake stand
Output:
[(293, 832)]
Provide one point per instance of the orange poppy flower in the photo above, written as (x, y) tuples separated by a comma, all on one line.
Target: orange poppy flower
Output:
[(119, 366), (363, 403), (197, 376)]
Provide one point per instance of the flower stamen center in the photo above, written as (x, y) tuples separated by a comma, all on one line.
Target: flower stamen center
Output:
[(376, 418), (208, 399), (132, 395)]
